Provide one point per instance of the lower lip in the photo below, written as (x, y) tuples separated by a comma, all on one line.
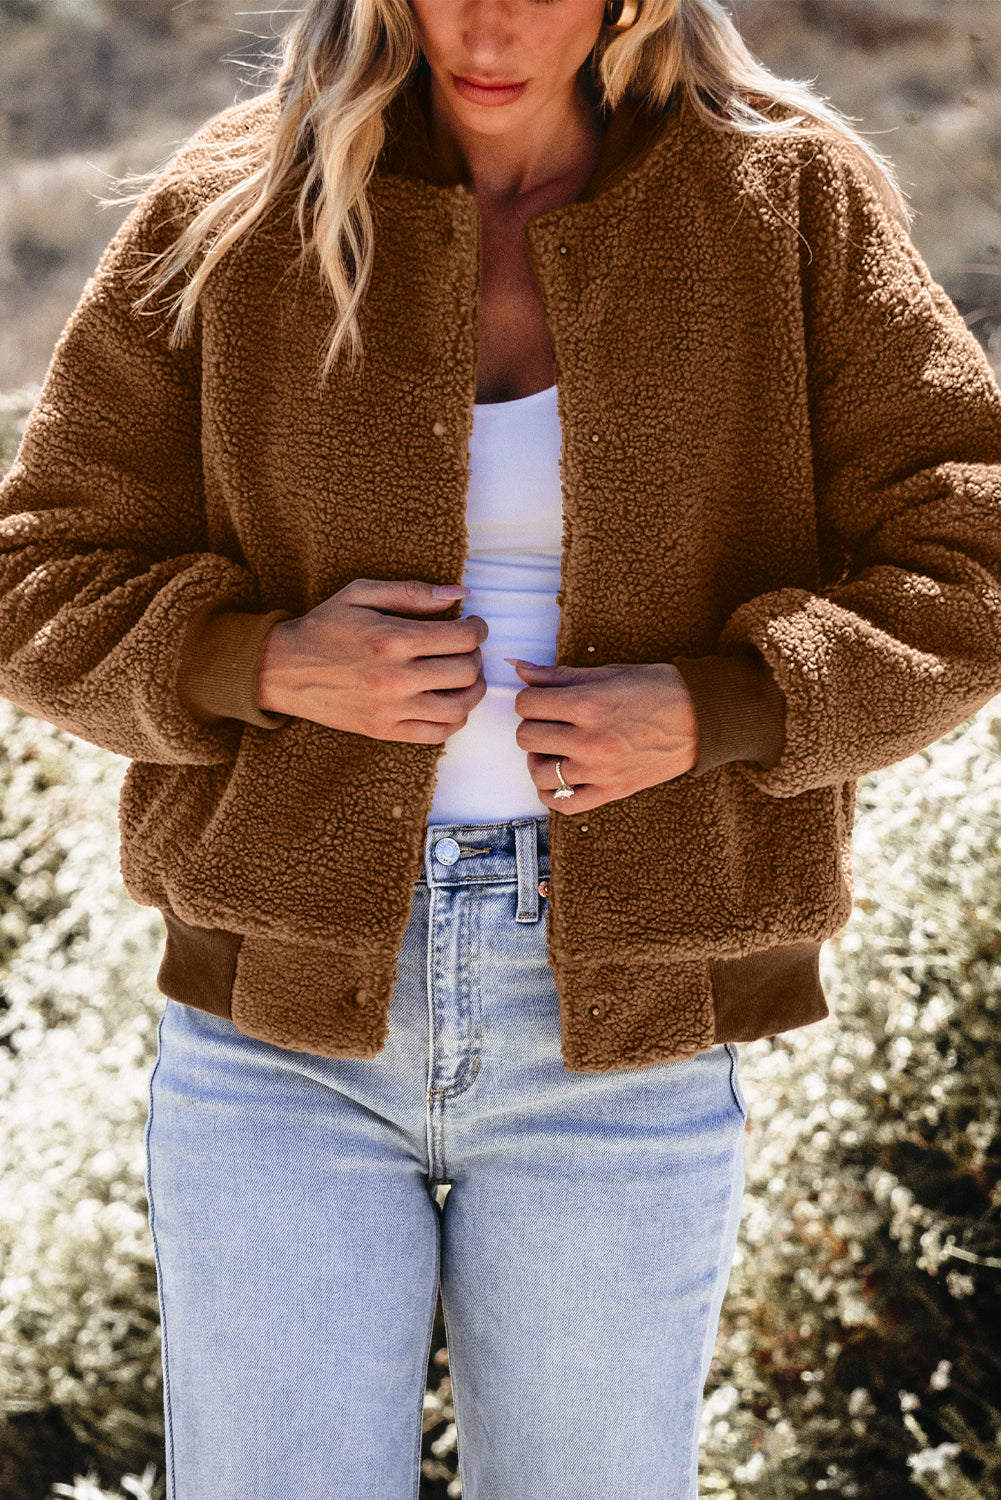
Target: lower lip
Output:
[(477, 95)]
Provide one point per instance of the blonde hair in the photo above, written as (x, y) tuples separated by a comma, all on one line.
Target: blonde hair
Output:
[(339, 65)]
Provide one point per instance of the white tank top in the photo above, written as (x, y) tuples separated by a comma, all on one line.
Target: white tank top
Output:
[(515, 520)]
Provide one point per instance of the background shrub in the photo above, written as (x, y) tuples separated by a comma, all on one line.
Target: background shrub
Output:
[(860, 1346)]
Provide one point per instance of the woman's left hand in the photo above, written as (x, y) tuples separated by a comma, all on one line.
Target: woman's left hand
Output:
[(615, 729)]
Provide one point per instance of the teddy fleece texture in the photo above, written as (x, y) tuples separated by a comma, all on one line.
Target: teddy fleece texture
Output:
[(781, 471)]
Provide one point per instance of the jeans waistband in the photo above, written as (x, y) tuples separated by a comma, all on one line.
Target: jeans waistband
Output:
[(488, 853)]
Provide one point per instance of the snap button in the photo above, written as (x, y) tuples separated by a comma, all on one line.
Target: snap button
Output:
[(398, 811), (563, 249), (583, 827), (590, 648), (439, 429), (361, 996), (446, 851), (595, 1010), (594, 437), (543, 887)]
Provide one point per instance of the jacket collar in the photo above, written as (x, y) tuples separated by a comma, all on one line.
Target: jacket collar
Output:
[(417, 147)]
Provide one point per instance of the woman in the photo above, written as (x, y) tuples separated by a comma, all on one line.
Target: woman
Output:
[(595, 313)]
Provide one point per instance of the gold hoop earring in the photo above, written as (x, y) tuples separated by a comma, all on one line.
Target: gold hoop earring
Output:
[(621, 14)]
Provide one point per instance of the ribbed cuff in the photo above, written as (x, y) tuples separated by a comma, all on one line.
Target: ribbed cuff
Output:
[(740, 710), (217, 678)]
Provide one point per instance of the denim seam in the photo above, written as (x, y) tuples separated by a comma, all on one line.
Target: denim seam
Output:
[(453, 1090), (465, 1489), (429, 987), (475, 994), (169, 1424), (733, 1080), (427, 1357)]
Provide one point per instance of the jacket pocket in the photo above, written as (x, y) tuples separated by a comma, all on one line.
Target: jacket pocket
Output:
[(198, 965)]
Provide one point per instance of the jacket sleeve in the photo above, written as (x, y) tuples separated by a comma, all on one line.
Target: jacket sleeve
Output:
[(902, 643), (106, 576)]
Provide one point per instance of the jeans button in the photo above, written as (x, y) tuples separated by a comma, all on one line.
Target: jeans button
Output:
[(446, 851)]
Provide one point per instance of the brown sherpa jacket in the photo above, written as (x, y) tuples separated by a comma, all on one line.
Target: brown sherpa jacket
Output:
[(781, 471)]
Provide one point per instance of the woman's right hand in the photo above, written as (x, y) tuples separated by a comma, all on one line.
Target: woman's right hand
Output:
[(352, 663)]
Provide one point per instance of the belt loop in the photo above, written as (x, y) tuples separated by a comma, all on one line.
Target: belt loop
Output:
[(527, 855)]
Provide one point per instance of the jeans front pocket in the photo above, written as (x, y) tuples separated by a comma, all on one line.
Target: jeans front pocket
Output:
[(738, 1092)]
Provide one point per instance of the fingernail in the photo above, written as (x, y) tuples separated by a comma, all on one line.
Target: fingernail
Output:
[(449, 590)]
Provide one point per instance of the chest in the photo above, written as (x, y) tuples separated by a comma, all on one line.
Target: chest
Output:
[(516, 356)]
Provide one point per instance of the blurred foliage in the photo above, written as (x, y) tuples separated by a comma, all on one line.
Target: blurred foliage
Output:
[(158, 16), (78, 1311), (861, 1337), (14, 410)]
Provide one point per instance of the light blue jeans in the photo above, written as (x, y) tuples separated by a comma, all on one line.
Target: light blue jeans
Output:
[(582, 1249)]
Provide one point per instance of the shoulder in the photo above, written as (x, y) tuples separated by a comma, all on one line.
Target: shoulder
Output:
[(217, 153), (810, 177), (222, 149), (807, 151)]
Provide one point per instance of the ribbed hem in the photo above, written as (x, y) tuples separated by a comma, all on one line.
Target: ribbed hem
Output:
[(219, 665), (740, 710), (763, 994)]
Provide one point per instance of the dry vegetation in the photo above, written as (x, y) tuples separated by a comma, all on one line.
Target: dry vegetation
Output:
[(89, 91)]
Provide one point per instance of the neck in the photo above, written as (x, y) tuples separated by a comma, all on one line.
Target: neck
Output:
[(559, 144)]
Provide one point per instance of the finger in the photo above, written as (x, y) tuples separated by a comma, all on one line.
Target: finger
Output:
[(422, 638), (542, 769), (548, 737), (443, 673), (546, 703), (586, 795)]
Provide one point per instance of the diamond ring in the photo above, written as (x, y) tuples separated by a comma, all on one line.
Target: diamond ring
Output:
[(564, 790)]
